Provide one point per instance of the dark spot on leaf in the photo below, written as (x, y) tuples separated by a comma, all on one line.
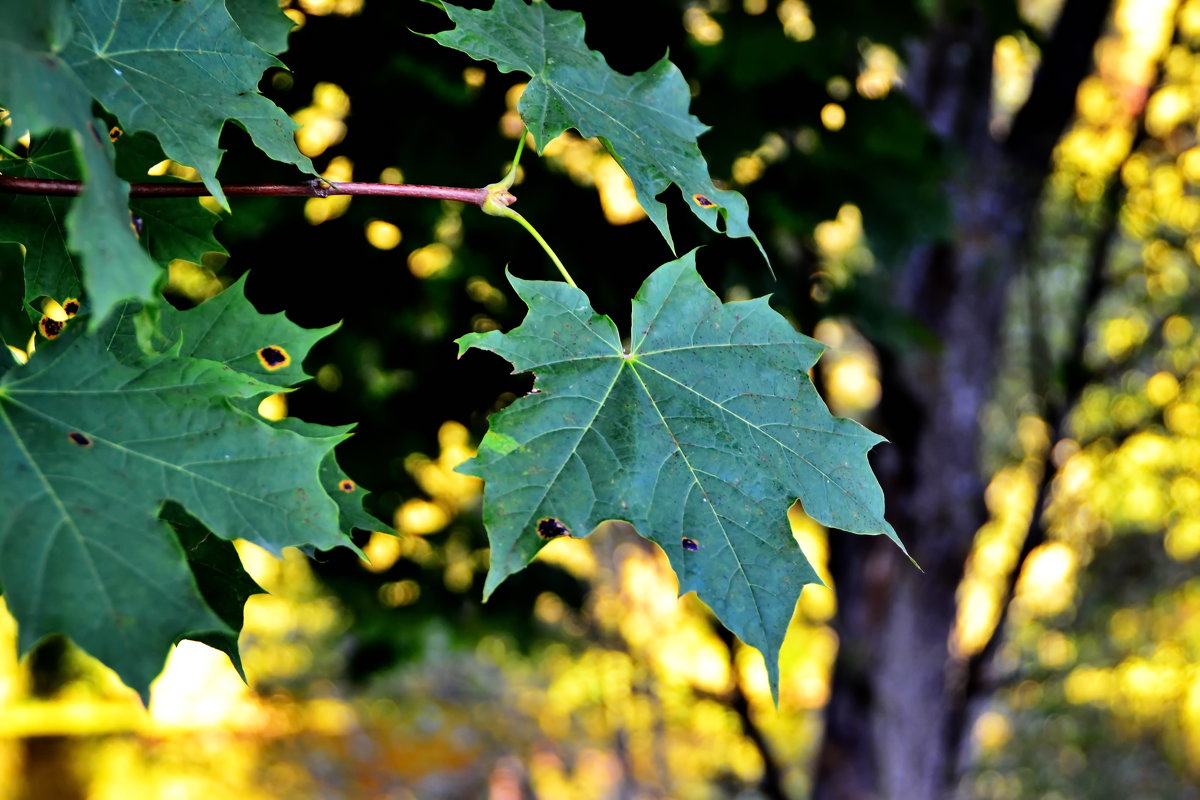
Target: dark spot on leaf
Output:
[(347, 485), (273, 357), (703, 201), (690, 544), (50, 328), (550, 528), (138, 224), (79, 439), (70, 306), (115, 133)]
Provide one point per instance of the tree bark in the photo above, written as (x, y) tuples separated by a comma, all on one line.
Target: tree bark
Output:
[(894, 727)]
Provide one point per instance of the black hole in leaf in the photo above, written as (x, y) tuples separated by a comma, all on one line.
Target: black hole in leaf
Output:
[(79, 439), (690, 544), (550, 528), (346, 485)]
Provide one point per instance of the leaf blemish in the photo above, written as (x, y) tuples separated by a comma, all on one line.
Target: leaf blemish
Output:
[(51, 328), (550, 528), (70, 306), (703, 201), (78, 438), (274, 357), (691, 545), (347, 485)]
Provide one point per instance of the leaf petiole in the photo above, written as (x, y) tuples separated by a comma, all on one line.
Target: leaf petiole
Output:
[(511, 177), (497, 205), (504, 211)]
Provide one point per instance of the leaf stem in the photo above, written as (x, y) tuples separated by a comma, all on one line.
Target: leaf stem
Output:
[(524, 223), (498, 202), (313, 188), (5, 151), (511, 177)]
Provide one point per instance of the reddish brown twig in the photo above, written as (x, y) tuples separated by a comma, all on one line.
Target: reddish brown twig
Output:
[(313, 188)]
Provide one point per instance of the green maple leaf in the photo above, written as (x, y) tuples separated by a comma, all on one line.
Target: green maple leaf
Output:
[(227, 329), (223, 582), (642, 119), (701, 435), (176, 70), (179, 71), (341, 487), (170, 227), (15, 323), (262, 22), (42, 92), (94, 439), (39, 221)]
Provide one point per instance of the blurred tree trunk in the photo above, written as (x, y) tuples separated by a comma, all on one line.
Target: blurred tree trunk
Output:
[(896, 724), (50, 765)]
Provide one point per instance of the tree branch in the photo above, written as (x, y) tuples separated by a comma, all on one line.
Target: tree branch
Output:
[(314, 188)]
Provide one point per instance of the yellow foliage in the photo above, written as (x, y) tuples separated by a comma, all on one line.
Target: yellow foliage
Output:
[(701, 26), (323, 209), (797, 24), (833, 116), (421, 517), (322, 124), (880, 72), (992, 730), (383, 235), (588, 163), (1182, 541), (428, 261), (1046, 585), (273, 407)]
